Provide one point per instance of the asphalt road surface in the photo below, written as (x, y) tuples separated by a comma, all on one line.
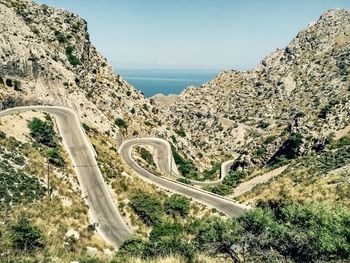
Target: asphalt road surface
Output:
[(225, 205), (102, 210)]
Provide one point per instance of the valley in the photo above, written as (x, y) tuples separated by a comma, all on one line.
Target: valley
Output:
[(252, 166)]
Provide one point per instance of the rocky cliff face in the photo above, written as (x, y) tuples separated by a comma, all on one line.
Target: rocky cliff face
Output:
[(47, 57), (302, 89)]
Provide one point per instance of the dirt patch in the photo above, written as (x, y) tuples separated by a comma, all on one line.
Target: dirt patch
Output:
[(248, 185), (16, 125)]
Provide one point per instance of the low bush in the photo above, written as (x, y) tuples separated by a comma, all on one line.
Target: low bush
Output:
[(55, 157), (121, 123), (177, 205), (42, 132), (186, 167), (181, 132), (24, 236), (147, 156), (229, 182), (60, 37), (147, 207)]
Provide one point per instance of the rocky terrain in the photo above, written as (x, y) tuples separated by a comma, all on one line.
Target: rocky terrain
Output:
[(301, 89), (47, 58), (289, 118)]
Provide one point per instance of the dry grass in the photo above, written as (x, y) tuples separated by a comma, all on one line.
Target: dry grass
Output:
[(331, 188), (124, 183), (175, 259), (49, 214)]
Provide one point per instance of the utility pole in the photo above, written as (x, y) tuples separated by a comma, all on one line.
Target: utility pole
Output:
[(48, 178)]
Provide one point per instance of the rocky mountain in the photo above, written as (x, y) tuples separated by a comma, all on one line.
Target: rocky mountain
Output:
[(47, 57), (301, 89), (289, 119)]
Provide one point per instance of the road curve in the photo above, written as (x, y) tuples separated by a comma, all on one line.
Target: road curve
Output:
[(101, 207), (165, 161), (223, 204)]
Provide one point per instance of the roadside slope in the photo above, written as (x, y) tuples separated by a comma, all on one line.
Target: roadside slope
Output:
[(101, 207)]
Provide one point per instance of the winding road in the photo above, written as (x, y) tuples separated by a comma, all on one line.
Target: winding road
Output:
[(166, 164), (102, 209)]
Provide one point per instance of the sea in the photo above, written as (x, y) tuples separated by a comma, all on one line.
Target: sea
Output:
[(166, 81)]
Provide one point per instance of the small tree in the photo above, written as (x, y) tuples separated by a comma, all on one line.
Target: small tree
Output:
[(121, 123)]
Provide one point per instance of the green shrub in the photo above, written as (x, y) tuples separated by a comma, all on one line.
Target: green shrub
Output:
[(229, 182), (280, 232), (17, 85), (181, 132), (270, 139), (55, 157), (121, 123), (60, 37), (234, 178), (260, 152), (133, 247), (19, 160), (263, 124), (299, 115), (2, 135), (42, 132), (177, 204), (147, 207), (210, 174), (186, 167), (69, 50), (327, 109), (221, 189), (147, 156), (343, 141), (24, 236), (72, 59), (184, 180)]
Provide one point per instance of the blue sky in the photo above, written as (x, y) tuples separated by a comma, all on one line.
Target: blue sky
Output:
[(210, 34)]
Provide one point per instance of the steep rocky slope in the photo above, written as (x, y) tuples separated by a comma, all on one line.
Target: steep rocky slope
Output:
[(301, 90), (47, 57)]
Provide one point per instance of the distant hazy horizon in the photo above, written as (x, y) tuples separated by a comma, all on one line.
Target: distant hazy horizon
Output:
[(165, 81), (195, 34)]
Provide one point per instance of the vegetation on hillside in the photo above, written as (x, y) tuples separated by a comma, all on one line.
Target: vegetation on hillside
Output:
[(229, 182), (315, 177), (33, 226), (276, 231), (42, 132), (188, 169)]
